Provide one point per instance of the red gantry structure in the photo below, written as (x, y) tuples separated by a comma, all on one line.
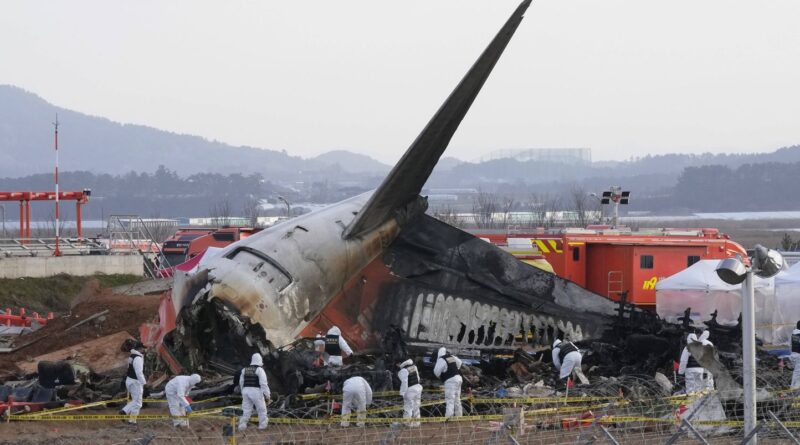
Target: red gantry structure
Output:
[(25, 199)]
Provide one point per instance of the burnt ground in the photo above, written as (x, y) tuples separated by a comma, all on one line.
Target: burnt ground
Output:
[(126, 313)]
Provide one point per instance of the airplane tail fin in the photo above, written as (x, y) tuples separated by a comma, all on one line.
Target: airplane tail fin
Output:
[(405, 181)]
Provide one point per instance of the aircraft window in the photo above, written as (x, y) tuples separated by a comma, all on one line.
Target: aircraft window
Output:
[(223, 236), (691, 259), (646, 261), (264, 266)]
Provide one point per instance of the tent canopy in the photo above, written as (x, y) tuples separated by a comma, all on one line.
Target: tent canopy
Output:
[(702, 275)]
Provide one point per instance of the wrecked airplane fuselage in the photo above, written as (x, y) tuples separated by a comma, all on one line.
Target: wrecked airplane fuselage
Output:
[(283, 276), (439, 284), (335, 266)]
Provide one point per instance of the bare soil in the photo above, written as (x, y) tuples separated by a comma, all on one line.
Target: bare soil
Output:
[(126, 313)]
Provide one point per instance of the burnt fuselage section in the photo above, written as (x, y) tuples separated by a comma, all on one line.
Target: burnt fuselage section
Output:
[(441, 285), (438, 284)]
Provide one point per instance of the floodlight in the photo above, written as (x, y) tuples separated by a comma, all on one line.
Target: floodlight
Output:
[(767, 262), (732, 271)]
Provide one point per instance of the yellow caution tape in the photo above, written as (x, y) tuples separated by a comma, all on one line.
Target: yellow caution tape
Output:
[(538, 400), (71, 408)]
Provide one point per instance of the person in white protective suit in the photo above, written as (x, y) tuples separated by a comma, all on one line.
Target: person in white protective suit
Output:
[(697, 378), (255, 392), (134, 382), (410, 390), (795, 357), (566, 359), (356, 394), (335, 346), (177, 391), (447, 370)]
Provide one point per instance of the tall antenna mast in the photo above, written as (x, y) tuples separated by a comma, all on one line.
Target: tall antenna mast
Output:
[(57, 252)]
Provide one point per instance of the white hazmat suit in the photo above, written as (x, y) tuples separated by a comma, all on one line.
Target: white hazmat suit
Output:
[(356, 394), (134, 385), (445, 364), (255, 390), (691, 370), (176, 391), (412, 395), (571, 363), (795, 357), (334, 356)]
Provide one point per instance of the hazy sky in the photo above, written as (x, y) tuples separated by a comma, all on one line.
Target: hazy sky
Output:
[(625, 78)]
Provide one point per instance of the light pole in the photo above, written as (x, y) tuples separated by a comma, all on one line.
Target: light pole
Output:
[(288, 207), (765, 264), (616, 195)]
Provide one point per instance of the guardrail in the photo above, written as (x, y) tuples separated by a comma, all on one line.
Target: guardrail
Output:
[(46, 246)]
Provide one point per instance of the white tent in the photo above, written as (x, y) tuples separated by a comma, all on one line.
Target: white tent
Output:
[(698, 287), (787, 304)]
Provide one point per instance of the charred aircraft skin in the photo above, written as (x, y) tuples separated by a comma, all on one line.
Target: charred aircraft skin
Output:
[(441, 285), (283, 276)]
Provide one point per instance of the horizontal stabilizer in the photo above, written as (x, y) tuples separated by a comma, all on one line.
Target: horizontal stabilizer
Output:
[(404, 183)]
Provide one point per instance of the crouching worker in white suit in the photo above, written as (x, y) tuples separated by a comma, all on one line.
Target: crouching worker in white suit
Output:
[(410, 390), (356, 393), (447, 369), (566, 358), (177, 391), (336, 347), (134, 382), (255, 392), (697, 378)]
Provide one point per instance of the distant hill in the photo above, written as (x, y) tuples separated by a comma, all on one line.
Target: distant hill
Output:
[(99, 145), (649, 172), (352, 162)]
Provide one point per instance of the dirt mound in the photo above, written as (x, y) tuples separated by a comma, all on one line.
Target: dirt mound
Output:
[(125, 313), (53, 294)]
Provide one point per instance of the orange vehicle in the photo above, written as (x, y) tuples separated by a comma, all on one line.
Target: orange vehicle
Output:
[(616, 262), (187, 243)]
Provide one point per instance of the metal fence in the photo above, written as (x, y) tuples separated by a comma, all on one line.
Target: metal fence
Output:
[(11, 247), (618, 411)]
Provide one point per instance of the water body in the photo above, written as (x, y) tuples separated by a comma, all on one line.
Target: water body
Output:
[(727, 216)]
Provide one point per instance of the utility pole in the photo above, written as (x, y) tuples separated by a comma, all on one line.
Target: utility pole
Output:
[(57, 252), (288, 207)]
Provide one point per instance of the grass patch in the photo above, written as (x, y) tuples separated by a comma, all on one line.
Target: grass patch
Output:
[(109, 281), (54, 293)]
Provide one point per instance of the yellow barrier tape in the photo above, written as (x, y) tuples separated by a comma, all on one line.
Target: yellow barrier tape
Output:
[(539, 400), (212, 399), (80, 417), (72, 408), (390, 409), (50, 412)]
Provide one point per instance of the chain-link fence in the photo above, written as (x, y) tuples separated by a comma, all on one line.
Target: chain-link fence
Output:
[(626, 410)]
